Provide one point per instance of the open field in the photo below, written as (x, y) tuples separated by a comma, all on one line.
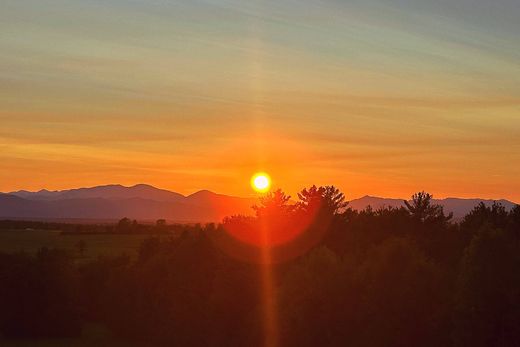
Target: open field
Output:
[(30, 241)]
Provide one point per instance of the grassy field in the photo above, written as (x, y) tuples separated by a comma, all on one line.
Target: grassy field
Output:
[(30, 241)]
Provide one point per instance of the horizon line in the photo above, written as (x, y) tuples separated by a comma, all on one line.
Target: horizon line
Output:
[(253, 195)]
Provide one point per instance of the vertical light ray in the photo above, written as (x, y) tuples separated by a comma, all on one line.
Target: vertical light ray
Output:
[(268, 293), (269, 300)]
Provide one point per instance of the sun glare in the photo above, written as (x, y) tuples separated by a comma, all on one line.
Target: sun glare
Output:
[(261, 182)]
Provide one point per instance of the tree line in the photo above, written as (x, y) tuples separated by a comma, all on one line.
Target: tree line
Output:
[(404, 276), (123, 226)]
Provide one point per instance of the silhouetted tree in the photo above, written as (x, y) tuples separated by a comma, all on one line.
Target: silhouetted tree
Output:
[(495, 215), (149, 248), (405, 296), (38, 296), (387, 277), (274, 205), (312, 300), (328, 199), (488, 293), (514, 221), (124, 225), (422, 209)]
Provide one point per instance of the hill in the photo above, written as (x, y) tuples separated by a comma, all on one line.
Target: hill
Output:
[(145, 202), (113, 202)]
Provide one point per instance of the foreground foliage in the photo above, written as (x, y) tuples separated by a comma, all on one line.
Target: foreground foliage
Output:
[(391, 277)]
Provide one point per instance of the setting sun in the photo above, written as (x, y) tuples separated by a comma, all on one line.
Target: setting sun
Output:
[(261, 182)]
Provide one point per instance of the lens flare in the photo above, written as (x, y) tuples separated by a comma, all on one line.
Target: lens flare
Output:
[(261, 182)]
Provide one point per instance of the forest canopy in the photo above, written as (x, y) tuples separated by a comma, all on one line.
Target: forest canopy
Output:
[(407, 276)]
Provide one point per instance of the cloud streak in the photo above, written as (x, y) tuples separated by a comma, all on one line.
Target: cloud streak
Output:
[(380, 97)]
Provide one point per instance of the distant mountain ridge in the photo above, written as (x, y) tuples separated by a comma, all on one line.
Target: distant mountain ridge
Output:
[(112, 202), (111, 191), (145, 202)]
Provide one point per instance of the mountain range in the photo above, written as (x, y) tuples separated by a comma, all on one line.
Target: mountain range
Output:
[(145, 202), (112, 202)]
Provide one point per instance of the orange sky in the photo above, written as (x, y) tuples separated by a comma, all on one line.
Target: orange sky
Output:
[(379, 98)]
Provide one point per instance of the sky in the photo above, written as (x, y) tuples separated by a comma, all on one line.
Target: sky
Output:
[(378, 97)]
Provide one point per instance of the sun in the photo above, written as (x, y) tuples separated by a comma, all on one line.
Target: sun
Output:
[(261, 182)]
